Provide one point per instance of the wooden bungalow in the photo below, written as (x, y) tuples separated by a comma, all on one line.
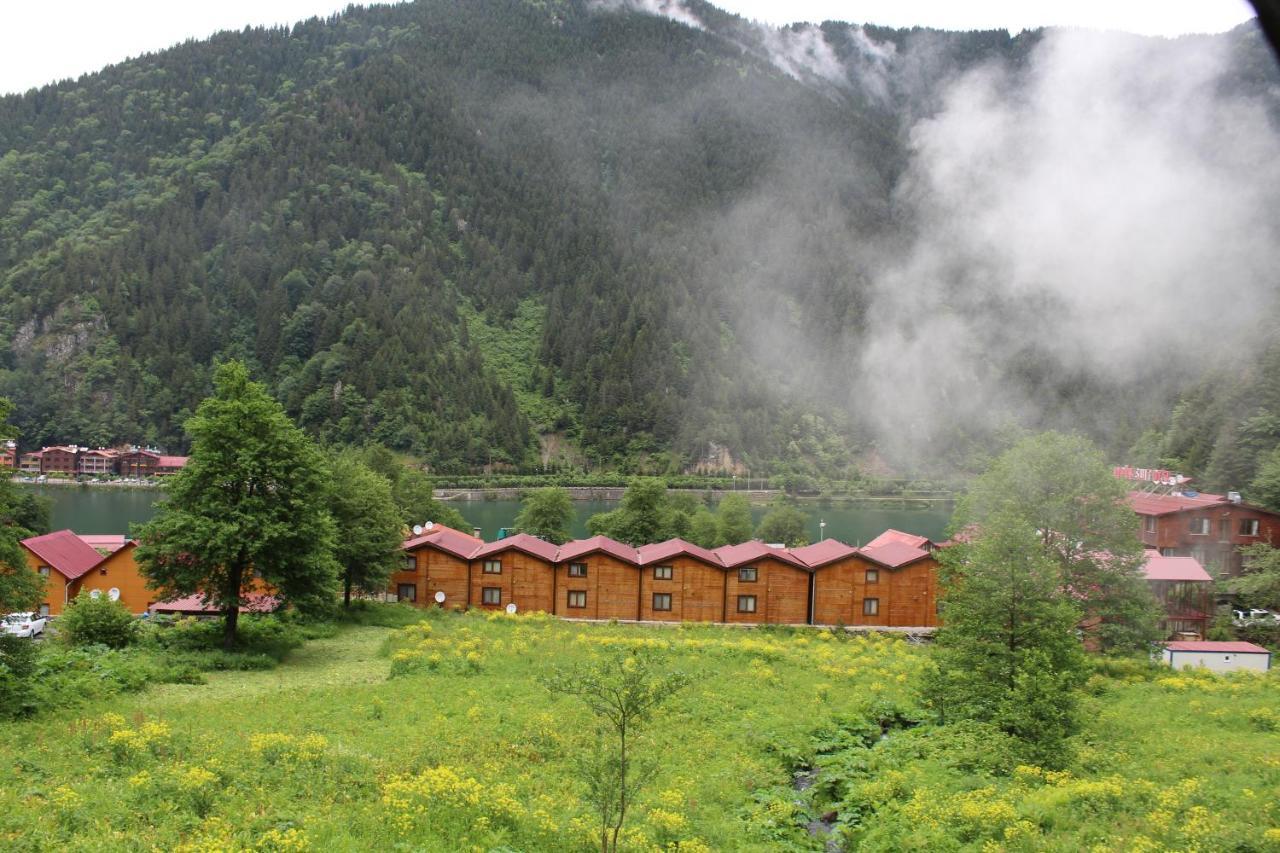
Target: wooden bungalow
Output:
[(597, 578), (840, 577), (62, 559), (138, 463), (116, 576), (96, 462), (680, 582), (764, 585), (519, 570), (437, 566), (904, 591), (8, 454)]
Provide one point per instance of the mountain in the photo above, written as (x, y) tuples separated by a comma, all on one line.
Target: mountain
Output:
[(549, 232)]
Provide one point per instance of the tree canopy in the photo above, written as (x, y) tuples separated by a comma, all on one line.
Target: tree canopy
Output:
[(249, 512), (547, 513), (367, 548), (20, 588)]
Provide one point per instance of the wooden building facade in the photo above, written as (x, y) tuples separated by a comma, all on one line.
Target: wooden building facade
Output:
[(1208, 528)]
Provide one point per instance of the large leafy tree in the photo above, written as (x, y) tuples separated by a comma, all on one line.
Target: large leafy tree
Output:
[(1007, 653), (644, 515), (412, 491), (1060, 487), (786, 524), (547, 514), (370, 526), (733, 518), (1259, 584), (1265, 488), (249, 511), (20, 588)]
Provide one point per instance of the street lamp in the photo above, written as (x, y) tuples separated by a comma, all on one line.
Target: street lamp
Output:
[(822, 528)]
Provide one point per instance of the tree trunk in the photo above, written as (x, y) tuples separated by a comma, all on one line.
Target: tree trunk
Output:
[(231, 614), (346, 591)]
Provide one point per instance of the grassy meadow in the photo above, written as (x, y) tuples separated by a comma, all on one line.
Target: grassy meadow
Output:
[(440, 736)]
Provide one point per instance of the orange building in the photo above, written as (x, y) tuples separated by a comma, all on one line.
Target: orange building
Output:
[(518, 570), (890, 582), (597, 578), (764, 585), (116, 576), (437, 570), (62, 559), (680, 582), (8, 454)]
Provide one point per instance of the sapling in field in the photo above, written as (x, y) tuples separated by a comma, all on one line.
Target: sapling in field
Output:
[(623, 690)]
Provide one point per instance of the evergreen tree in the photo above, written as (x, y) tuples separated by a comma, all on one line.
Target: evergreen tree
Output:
[(248, 513), (1265, 488), (370, 530), (20, 588), (547, 514)]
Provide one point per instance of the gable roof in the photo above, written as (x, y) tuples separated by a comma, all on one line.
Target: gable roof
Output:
[(172, 461), (254, 603), (109, 542), (65, 552), (612, 547), (824, 552), (1158, 568), (531, 545), (661, 551), (893, 555), (748, 552), (1146, 503), (445, 539), (892, 535)]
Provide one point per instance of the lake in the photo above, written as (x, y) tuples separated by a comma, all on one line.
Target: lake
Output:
[(101, 509)]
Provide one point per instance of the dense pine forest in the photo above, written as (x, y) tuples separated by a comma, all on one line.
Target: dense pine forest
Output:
[(562, 233)]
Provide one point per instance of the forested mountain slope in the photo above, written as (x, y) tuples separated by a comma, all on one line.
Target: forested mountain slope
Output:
[(455, 228)]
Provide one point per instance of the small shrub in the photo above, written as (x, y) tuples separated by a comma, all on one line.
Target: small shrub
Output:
[(90, 621), (17, 664)]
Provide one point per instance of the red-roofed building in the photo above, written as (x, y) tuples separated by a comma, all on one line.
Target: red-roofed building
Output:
[(890, 582), (517, 570), (61, 558), (597, 578), (170, 465), (1184, 590), (8, 454), (29, 463), (1209, 528), (910, 539), (194, 605), (61, 459), (1217, 657), (765, 584), (97, 462), (437, 570), (681, 582), (138, 463)]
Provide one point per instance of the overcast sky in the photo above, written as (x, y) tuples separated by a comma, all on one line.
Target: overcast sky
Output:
[(50, 40)]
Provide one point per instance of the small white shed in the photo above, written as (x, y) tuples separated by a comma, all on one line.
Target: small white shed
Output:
[(1217, 657)]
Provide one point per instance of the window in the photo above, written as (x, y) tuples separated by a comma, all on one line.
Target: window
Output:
[(662, 573), (1224, 529), (662, 601), (1248, 527), (748, 574), (407, 592), (492, 595), (1149, 523), (870, 607), (493, 567), (1199, 527), (411, 563), (44, 571), (577, 598), (577, 570), (873, 576), (746, 604)]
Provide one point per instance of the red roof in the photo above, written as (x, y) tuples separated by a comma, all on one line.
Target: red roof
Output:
[(749, 552), (1211, 646), (445, 539), (65, 552), (1158, 568), (892, 535), (171, 461), (663, 551), (893, 554), (581, 547), (824, 552), (1145, 503), (531, 545), (109, 542), (257, 603)]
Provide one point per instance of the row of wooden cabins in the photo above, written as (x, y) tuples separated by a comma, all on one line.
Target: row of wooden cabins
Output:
[(890, 582), (73, 460)]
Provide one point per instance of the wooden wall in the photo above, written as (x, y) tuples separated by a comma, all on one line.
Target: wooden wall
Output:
[(697, 592), (781, 591), (913, 595), (55, 591), (435, 571), (612, 587), (524, 580), (834, 592), (119, 571)]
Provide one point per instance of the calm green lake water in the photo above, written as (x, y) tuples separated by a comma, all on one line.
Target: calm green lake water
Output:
[(87, 509)]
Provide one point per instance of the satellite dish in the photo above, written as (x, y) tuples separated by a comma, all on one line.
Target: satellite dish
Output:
[(95, 593), (113, 594), (440, 597), (417, 530), (430, 524), (511, 608)]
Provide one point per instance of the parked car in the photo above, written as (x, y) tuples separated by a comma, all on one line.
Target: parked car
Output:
[(25, 624), (1242, 616)]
